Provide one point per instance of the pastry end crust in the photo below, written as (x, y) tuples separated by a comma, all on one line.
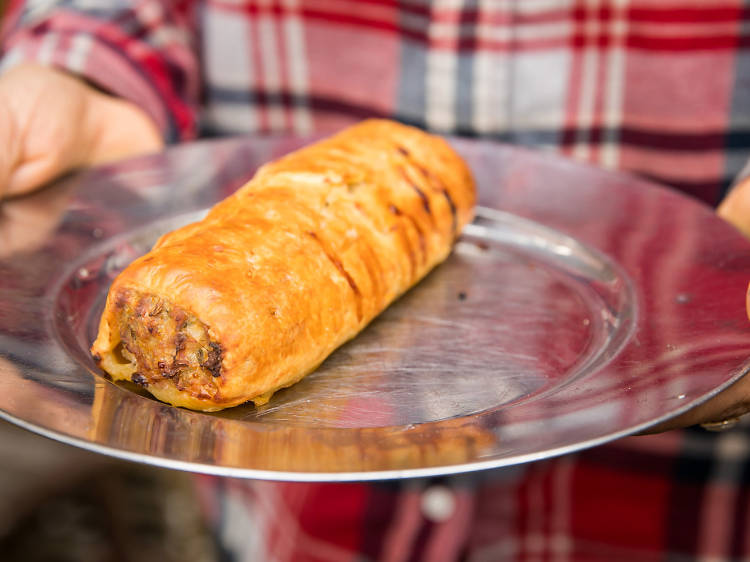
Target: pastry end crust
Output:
[(161, 347)]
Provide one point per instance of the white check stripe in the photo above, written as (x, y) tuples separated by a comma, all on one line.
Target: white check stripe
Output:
[(271, 68), (491, 96), (549, 31), (243, 529), (718, 517), (539, 89), (589, 71), (228, 64), (79, 52), (560, 544), (149, 14), (440, 85), (13, 57), (227, 58), (495, 6), (586, 105), (36, 9), (441, 92), (538, 6), (294, 36), (47, 48), (615, 84)]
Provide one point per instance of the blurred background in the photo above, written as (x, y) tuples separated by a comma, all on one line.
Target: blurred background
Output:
[(59, 503)]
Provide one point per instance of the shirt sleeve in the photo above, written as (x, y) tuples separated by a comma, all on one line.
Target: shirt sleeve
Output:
[(141, 50)]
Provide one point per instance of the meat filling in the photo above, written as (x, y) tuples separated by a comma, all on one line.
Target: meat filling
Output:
[(167, 345)]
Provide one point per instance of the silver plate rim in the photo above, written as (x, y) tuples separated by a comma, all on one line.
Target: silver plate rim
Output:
[(305, 476)]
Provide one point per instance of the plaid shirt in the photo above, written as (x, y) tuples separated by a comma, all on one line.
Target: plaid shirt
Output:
[(676, 496), (661, 89), (658, 88)]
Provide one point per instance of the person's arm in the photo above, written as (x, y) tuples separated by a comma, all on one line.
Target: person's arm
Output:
[(81, 85)]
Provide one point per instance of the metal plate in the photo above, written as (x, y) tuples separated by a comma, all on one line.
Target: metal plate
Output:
[(625, 308)]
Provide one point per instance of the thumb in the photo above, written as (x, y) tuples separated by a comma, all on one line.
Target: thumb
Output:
[(118, 129), (9, 150), (31, 174)]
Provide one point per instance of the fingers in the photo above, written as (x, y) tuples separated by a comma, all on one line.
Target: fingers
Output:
[(736, 207), (22, 109), (730, 403), (32, 174)]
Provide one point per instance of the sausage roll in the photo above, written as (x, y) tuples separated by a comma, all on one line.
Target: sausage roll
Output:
[(295, 263)]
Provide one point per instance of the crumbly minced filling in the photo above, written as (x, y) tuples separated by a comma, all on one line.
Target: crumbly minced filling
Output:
[(166, 345)]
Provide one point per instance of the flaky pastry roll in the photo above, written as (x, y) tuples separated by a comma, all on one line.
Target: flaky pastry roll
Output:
[(257, 294)]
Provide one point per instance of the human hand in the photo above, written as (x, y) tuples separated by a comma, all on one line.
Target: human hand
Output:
[(52, 123), (735, 208), (727, 406)]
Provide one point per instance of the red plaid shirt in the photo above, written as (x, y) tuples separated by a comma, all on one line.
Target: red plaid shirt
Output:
[(661, 89)]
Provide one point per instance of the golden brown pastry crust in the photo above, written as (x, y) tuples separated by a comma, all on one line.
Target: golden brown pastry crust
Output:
[(256, 295)]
